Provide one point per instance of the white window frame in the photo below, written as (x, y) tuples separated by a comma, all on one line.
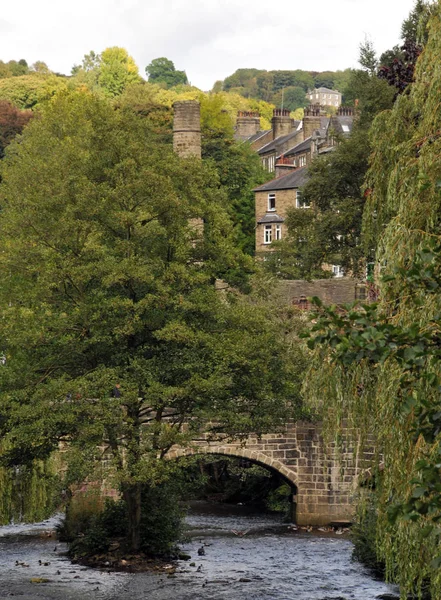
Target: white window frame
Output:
[(271, 202), (302, 161), (299, 203), (278, 232), (337, 271), (267, 234)]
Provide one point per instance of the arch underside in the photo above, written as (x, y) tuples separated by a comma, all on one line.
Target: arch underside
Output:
[(252, 455)]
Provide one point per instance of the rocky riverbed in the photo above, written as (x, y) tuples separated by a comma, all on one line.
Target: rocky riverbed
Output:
[(245, 557)]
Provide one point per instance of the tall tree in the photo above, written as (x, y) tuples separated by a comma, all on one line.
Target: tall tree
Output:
[(381, 363), (162, 70), (114, 332), (110, 72), (117, 70)]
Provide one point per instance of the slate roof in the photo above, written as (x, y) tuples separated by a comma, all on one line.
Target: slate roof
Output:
[(256, 136), (293, 180), (325, 90), (306, 145), (271, 218), (337, 123), (280, 140)]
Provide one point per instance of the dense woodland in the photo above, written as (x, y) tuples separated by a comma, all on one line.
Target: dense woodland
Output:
[(113, 332)]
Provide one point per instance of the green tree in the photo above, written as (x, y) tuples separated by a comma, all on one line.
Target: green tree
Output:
[(40, 67), (238, 166), (368, 57), (324, 79), (414, 28), (241, 78), (292, 97), (162, 70), (265, 85), (27, 91), (13, 68), (141, 99), (113, 330), (381, 363), (109, 73), (117, 70)]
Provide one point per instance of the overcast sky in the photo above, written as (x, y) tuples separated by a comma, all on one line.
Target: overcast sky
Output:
[(209, 39)]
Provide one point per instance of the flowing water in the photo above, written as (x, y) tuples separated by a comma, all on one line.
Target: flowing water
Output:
[(247, 557)]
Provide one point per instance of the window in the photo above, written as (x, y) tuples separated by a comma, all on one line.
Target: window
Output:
[(268, 163), (300, 202), (360, 292), (267, 234), (345, 128), (271, 201), (302, 161), (337, 271), (278, 231)]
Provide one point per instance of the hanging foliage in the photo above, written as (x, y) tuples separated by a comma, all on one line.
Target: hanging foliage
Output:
[(380, 364)]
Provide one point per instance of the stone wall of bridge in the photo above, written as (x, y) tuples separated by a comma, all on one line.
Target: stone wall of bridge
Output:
[(324, 477)]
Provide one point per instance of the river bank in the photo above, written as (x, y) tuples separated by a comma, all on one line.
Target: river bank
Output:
[(246, 557)]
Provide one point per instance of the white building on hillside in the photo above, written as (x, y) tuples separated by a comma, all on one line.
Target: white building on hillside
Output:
[(324, 97)]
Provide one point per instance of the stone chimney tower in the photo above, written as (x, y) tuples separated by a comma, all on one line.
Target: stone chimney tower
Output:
[(247, 124), (281, 122), (187, 128), (311, 120)]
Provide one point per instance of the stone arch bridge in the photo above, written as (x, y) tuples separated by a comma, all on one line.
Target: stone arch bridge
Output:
[(323, 476)]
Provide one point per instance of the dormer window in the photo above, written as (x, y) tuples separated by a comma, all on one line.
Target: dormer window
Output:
[(271, 202)]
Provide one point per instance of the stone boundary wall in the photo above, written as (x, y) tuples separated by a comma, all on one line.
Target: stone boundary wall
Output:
[(336, 290)]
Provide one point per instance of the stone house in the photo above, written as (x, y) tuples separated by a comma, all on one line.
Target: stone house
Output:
[(324, 97), (275, 197), (272, 200), (316, 135), (288, 137)]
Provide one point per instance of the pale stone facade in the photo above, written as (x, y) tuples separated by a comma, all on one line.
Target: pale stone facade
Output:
[(324, 97)]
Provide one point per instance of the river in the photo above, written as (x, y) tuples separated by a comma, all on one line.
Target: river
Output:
[(247, 557)]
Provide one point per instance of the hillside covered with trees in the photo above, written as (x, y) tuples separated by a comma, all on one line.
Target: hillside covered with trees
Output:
[(268, 85)]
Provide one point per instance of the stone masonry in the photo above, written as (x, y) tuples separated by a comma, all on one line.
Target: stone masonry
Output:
[(187, 128), (323, 477), (285, 199)]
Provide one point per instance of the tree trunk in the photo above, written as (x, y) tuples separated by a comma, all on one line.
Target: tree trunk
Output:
[(132, 497)]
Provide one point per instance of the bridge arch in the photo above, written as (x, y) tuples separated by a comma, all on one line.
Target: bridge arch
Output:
[(252, 455)]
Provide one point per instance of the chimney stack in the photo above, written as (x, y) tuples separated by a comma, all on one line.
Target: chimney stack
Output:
[(247, 124), (345, 111), (311, 120), (284, 166), (187, 128), (281, 122)]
